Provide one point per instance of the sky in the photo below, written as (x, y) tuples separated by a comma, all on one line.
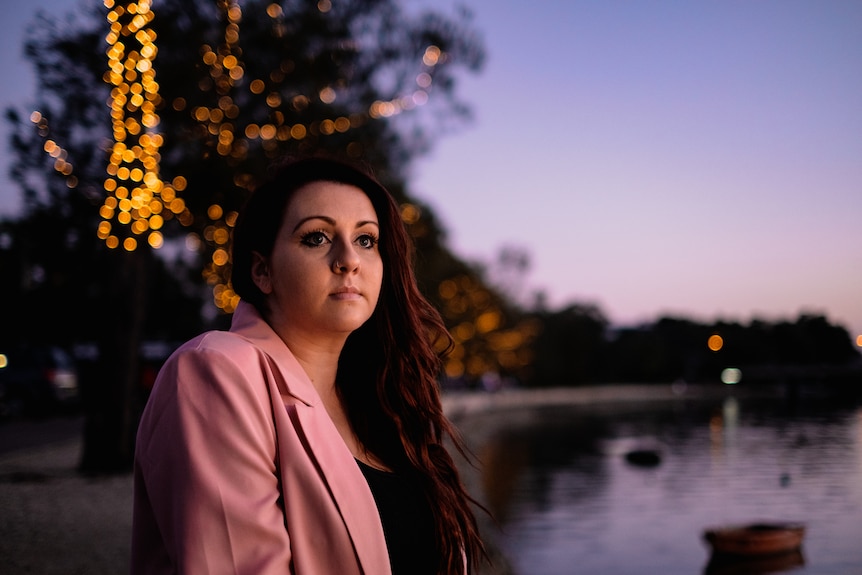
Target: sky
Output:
[(694, 159)]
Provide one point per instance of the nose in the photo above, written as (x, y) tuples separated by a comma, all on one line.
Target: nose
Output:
[(345, 260)]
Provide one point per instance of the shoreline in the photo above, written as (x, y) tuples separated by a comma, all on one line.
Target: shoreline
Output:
[(460, 405)]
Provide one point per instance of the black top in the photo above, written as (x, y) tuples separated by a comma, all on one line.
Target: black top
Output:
[(408, 524)]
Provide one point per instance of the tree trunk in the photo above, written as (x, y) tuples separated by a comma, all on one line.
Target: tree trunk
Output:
[(111, 392)]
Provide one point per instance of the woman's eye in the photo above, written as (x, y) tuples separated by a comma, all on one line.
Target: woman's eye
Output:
[(314, 239), (366, 241)]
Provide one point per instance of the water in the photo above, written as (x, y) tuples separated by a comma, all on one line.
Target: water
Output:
[(568, 501)]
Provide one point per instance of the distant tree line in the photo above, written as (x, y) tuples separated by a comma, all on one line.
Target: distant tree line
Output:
[(577, 346)]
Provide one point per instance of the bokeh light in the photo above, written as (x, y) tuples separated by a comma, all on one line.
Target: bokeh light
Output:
[(731, 376), (715, 342), (133, 186)]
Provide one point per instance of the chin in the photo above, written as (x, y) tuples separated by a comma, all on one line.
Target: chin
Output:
[(347, 324)]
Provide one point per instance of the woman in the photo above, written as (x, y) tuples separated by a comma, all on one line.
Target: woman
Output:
[(309, 438)]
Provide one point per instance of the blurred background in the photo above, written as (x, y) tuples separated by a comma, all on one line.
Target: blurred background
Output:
[(601, 194)]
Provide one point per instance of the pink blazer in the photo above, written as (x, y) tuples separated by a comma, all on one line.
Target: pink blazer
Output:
[(238, 468)]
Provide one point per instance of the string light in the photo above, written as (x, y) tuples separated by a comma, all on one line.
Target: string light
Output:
[(136, 197), (62, 165)]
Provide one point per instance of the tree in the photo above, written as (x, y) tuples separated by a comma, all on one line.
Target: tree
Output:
[(569, 350), (204, 95)]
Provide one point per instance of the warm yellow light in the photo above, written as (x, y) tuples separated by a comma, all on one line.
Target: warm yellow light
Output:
[(297, 132), (135, 153), (267, 132), (257, 86), (156, 221), (155, 240), (447, 289), (859, 340), (221, 236), (488, 321), (177, 205), (464, 331), (274, 10), (220, 257), (409, 213), (432, 56), (715, 342), (327, 95), (342, 124), (273, 100)]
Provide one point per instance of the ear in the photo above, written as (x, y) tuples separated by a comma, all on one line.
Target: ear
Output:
[(260, 273)]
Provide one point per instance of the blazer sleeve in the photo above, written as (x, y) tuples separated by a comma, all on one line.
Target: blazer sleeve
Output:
[(207, 496)]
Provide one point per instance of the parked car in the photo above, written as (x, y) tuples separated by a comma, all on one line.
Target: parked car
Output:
[(36, 379)]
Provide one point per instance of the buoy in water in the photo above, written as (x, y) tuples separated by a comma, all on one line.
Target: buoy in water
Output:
[(643, 457)]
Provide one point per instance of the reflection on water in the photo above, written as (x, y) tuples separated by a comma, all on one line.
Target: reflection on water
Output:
[(569, 501), (728, 565)]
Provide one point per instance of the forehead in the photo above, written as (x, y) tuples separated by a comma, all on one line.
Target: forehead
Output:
[(331, 200)]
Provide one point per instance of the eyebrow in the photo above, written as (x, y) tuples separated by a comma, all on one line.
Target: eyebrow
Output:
[(331, 222)]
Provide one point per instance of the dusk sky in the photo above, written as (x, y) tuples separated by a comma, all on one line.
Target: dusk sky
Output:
[(698, 159)]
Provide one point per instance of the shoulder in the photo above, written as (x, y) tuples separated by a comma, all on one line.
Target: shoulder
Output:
[(219, 346), (214, 344), (212, 377), (215, 359)]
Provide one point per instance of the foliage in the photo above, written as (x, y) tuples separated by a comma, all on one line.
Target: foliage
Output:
[(570, 348), (239, 87)]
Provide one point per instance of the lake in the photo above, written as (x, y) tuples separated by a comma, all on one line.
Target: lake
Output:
[(568, 501)]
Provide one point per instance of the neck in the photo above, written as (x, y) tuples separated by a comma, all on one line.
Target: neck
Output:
[(320, 362)]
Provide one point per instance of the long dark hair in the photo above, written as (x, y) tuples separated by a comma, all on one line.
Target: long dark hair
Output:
[(388, 369)]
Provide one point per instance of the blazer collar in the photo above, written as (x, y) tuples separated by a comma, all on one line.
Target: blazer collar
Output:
[(249, 324)]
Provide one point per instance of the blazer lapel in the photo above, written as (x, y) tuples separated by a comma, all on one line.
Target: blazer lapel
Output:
[(348, 487)]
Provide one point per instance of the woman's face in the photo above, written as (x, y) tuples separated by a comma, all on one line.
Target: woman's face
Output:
[(324, 275)]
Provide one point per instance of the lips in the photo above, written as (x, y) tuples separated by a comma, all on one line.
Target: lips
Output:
[(346, 293)]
